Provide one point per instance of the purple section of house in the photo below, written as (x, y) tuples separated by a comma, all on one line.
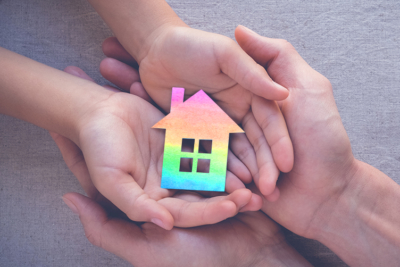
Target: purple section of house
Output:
[(177, 97)]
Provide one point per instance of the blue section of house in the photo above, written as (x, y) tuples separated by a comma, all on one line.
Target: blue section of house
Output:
[(193, 181)]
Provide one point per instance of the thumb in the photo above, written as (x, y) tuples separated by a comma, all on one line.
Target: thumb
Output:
[(279, 57), (125, 239), (91, 214), (240, 67)]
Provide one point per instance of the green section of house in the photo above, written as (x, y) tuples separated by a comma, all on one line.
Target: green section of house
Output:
[(172, 178)]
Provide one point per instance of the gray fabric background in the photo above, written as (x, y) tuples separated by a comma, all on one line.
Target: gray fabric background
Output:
[(356, 44)]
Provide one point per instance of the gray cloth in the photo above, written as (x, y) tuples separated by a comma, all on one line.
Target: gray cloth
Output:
[(355, 44)]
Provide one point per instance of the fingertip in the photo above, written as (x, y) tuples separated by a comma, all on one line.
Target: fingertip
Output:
[(163, 224), (254, 204), (273, 90), (274, 196), (266, 185), (70, 204), (78, 72), (229, 208), (119, 73), (241, 32), (112, 48), (282, 92), (241, 197), (107, 44), (283, 154), (113, 89), (286, 164), (151, 211), (137, 89)]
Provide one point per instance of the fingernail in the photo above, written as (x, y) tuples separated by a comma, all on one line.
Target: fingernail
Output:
[(70, 205), (158, 222)]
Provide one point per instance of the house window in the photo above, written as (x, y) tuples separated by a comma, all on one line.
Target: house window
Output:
[(203, 165), (186, 165), (205, 146), (187, 145)]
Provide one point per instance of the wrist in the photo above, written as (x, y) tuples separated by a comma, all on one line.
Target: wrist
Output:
[(362, 225), (92, 98), (157, 34), (137, 23), (47, 97)]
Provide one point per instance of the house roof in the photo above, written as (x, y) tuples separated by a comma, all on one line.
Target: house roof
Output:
[(199, 113)]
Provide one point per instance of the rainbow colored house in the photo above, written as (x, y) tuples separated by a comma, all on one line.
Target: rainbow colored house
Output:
[(196, 122)]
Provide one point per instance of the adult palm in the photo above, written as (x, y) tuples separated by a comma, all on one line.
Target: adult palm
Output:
[(248, 239), (323, 161)]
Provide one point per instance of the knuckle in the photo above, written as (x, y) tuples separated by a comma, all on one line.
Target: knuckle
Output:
[(265, 122), (243, 153), (258, 143)]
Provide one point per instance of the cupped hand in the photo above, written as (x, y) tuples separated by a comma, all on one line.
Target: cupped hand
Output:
[(121, 156), (323, 161), (194, 59), (248, 239)]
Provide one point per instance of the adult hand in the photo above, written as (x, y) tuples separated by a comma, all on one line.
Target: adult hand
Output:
[(323, 161), (124, 158), (248, 239)]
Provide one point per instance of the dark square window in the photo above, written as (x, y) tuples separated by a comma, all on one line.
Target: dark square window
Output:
[(187, 145), (186, 165), (203, 165), (205, 146)]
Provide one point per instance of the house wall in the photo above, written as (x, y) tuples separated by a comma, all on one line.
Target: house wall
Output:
[(172, 178)]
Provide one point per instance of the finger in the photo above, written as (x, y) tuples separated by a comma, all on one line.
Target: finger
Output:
[(78, 72), (113, 48), (244, 151), (124, 76), (268, 173), (81, 74), (238, 168), (119, 73), (269, 117), (189, 209), (232, 182), (244, 70), (108, 87), (73, 157), (123, 191), (268, 52), (120, 237), (274, 196), (254, 204), (138, 90)]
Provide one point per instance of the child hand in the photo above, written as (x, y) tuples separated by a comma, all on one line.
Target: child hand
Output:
[(123, 157)]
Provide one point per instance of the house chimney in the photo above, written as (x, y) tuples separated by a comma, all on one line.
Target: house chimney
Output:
[(177, 97)]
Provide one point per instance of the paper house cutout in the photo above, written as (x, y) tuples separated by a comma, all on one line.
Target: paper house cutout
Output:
[(199, 119)]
